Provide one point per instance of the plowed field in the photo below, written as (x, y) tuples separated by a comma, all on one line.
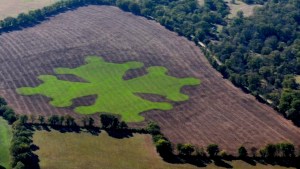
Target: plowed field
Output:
[(217, 112)]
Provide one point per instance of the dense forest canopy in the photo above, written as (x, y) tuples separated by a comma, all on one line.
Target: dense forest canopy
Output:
[(262, 52)]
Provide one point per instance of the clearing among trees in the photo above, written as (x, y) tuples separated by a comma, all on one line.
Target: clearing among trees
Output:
[(216, 112), (114, 94)]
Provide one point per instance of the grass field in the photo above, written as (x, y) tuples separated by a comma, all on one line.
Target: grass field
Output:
[(77, 151), (5, 138), (115, 95), (14, 7), (83, 150)]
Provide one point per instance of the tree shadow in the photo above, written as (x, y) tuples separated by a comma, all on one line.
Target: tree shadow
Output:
[(249, 161), (221, 163), (119, 134)]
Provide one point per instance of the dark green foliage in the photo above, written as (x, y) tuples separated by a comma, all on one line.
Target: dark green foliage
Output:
[(2, 102), (213, 150), (22, 156), (23, 119), (242, 152), (153, 128), (41, 119), (8, 114), (111, 122), (70, 121), (185, 149), (164, 148), (261, 52), (53, 120)]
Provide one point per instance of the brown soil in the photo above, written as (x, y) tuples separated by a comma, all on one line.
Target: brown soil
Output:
[(217, 112)]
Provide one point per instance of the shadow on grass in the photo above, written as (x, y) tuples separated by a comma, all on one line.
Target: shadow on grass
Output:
[(119, 134), (221, 163), (249, 161)]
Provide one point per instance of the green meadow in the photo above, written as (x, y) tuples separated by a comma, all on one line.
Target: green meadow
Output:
[(114, 94)]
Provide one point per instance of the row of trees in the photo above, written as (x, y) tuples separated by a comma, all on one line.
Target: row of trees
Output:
[(22, 147), (190, 153), (36, 16), (186, 18)]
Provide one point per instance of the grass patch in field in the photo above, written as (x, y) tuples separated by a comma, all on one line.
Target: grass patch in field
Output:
[(83, 150), (115, 95), (14, 7), (5, 139)]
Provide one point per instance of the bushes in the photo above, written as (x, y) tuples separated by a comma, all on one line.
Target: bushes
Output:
[(110, 122)]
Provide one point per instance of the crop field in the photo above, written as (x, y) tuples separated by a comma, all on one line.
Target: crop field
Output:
[(105, 152), (14, 7), (5, 138), (213, 111)]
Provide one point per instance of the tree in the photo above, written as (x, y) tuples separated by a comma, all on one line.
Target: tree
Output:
[(41, 119), (91, 122), (242, 152), (70, 121), (53, 120), (2, 102), (108, 121), (153, 128), (287, 149), (164, 147), (23, 119), (213, 150), (270, 150), (185, 149)]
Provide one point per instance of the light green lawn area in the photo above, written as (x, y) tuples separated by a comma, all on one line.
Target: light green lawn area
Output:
[(297, 78), (115, 95), (15, 7), (83, 150), (5, 139)]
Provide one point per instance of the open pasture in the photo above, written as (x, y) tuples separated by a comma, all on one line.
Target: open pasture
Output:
[(216, 112), (14, 7), (57, 151)]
